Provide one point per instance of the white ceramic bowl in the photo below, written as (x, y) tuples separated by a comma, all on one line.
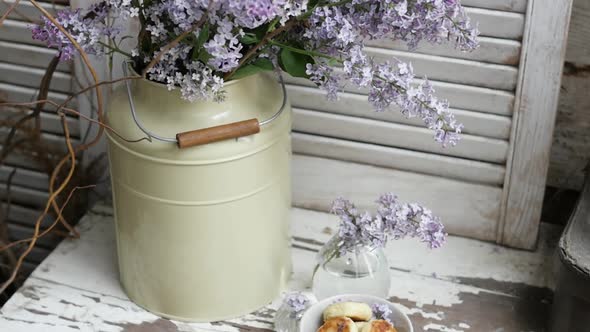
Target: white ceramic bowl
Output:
[(312, 318)]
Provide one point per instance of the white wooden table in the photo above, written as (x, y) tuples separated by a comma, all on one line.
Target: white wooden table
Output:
[(466, 286)]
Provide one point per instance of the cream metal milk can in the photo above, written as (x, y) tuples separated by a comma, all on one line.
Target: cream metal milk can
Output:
[(202, 232)]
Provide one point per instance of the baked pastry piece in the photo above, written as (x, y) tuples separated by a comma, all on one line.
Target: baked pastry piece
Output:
[(360, 325), (353, 310), (338, 324), (378, 326)]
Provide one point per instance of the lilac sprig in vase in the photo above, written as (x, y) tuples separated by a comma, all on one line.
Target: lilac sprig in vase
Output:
[(354, 260)]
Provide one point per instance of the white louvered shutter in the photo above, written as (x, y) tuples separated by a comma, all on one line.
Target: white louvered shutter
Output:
[(22, 65), (490, 185)]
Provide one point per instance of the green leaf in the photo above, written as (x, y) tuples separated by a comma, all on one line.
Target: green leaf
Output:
[(261, 64), (203, 35), (294, 63), (249, 38), (201, 39)]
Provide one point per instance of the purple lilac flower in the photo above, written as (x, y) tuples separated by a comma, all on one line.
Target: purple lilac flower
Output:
[(86, 31), (382, 311), (394, 220), (334, 32), (296, 302)]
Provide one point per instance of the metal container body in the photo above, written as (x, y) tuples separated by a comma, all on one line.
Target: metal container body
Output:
[(202, 232)]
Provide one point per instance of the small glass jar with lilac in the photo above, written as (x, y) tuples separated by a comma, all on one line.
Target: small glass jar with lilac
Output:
[(354, 260)]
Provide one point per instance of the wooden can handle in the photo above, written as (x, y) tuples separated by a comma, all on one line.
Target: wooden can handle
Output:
[(217, 133)]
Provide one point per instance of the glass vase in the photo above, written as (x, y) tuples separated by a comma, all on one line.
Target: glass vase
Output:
[(362, 270)]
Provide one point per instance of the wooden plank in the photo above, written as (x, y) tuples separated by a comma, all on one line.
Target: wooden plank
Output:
[(76, 288), (453, 70), (538, 93), (31, 77), (400, 159), (492, 50), (26, 216), (499, 24), (396, 135), (25, 11), (479, 124), (15, 93), (318, 181), (25, 178), (24, 196), (518, 6), (460, 96), (29, 55), (19, 32), (55, 143), (50, 122), (18, 232)]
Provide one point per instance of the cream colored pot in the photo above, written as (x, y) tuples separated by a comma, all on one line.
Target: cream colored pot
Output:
[(202, 232)]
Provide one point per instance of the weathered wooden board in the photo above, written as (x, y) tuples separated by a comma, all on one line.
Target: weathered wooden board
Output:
[(466, 286), (495, 23), (353, 104), (50, 121), (17, 31), (492, 50), (15, 93), (29, 55), (506, 5), (391, 134), (460, 96), (535, 111), (401, 159), (467, 208), (25, 11), (25, 178), (31, 77), (453, 70)]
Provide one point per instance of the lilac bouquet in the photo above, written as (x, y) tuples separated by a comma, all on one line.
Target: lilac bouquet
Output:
[(393, 220), (197, 45)]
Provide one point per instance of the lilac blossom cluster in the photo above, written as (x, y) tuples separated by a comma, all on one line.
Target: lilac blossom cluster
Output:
[(325, 39), (296, 302), (382, 311), (393, 220)]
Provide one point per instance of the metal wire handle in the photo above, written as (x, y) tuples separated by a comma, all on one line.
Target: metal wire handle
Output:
[(150, 135)]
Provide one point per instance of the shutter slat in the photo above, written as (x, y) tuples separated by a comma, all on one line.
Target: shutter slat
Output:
[(18, 232), (25, 178), (27, 216), (518, 6), (479, 124), (465, 208), (453, 70), (27, 9), (499, 24), (19, 32), (29, 55), (460, 96), (407, 160), (492, 50), (31, 77), (24, 196), (55, 142), (396, 135), (50, 122), (15, 93)]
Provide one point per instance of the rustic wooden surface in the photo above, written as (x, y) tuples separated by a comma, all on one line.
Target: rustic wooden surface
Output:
[(466, 286)]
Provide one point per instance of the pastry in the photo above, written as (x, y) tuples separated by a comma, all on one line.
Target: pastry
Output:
[(360, 325), (353, 310), (378, 326), (338, 324)]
